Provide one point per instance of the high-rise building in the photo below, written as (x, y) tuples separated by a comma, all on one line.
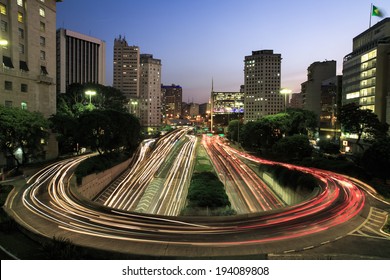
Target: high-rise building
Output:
[(150, 92), (80, 59), (366, 71), (262, 85), (317, 72), (28, 53), (296, 101), (329, 127), (172, 100), (127, 72)]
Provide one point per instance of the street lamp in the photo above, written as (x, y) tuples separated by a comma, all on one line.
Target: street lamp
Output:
[(286, 92), (90, 93)]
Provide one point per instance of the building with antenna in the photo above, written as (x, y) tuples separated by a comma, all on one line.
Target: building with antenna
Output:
[(366, 71)]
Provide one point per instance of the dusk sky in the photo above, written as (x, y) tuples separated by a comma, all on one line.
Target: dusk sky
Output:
[(201, 40)]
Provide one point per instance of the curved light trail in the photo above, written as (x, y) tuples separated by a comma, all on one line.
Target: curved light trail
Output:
[(48, 196)]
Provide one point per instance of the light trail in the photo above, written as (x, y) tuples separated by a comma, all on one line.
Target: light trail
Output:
[(48, 196)]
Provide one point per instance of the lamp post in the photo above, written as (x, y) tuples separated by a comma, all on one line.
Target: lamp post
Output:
[(286, 92), (90, 93)]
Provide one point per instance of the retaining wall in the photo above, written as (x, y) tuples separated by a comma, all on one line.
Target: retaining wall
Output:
[(93, 184)]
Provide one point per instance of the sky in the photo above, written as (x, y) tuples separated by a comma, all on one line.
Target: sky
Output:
[(200, 41)]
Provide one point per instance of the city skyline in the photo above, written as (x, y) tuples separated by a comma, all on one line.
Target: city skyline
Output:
[(198, 41)]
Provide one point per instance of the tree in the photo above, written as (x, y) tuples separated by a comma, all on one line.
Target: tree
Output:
[(364, 123), (293, 147), (233, 128), (301, 121), (24, 130), (376, 159), (66, 128), (74, 102), (108, 130)]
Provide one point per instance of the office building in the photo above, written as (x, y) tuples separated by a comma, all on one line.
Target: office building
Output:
[(80, 59), (317, 72), (296, 101), (126, 72), (262, 85), (28, 53), (226, 106), (150, 93), (331, 91), (366, 71), (172, 100)]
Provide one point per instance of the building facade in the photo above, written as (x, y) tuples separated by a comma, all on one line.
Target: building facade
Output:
[(172, 100), (150, 93), (80, 59), (28, 53), (331, 91), (317, 72), (226, 106), (262, 85), (296, 101), (126, 72), (366, 71)]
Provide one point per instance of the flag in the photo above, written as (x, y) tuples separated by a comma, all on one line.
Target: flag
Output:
[(376, 12)]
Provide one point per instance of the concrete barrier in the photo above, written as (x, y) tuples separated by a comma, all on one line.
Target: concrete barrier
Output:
[(93, 184)]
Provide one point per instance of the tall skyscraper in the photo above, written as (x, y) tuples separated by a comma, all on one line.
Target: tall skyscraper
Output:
[(172, 100), (150, 92), (28, 53), (262, 85), (127, 72), (317, 72), (80, 59), (366, 71), (126, 67)]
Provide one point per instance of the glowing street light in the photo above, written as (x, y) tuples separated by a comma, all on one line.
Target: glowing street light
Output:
[(90, 93), (286, 92)]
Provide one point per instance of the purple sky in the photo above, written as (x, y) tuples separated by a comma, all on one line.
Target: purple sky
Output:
[(198, 40)]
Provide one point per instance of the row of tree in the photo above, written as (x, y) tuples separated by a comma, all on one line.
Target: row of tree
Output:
[(286, 136), (102, 125)]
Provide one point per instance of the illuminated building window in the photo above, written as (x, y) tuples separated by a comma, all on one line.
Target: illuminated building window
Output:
[(3, 9), (20, 3), (352, 95), (41, 12), (20, 17), (368, 56)]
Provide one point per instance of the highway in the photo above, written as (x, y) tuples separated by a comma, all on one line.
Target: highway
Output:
[(246, 191), (47, 207), (135, 184)]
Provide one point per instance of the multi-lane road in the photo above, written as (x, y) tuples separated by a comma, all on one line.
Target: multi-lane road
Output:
[(47, 207)]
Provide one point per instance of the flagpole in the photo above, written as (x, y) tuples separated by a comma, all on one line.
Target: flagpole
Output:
[(370, 16)]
